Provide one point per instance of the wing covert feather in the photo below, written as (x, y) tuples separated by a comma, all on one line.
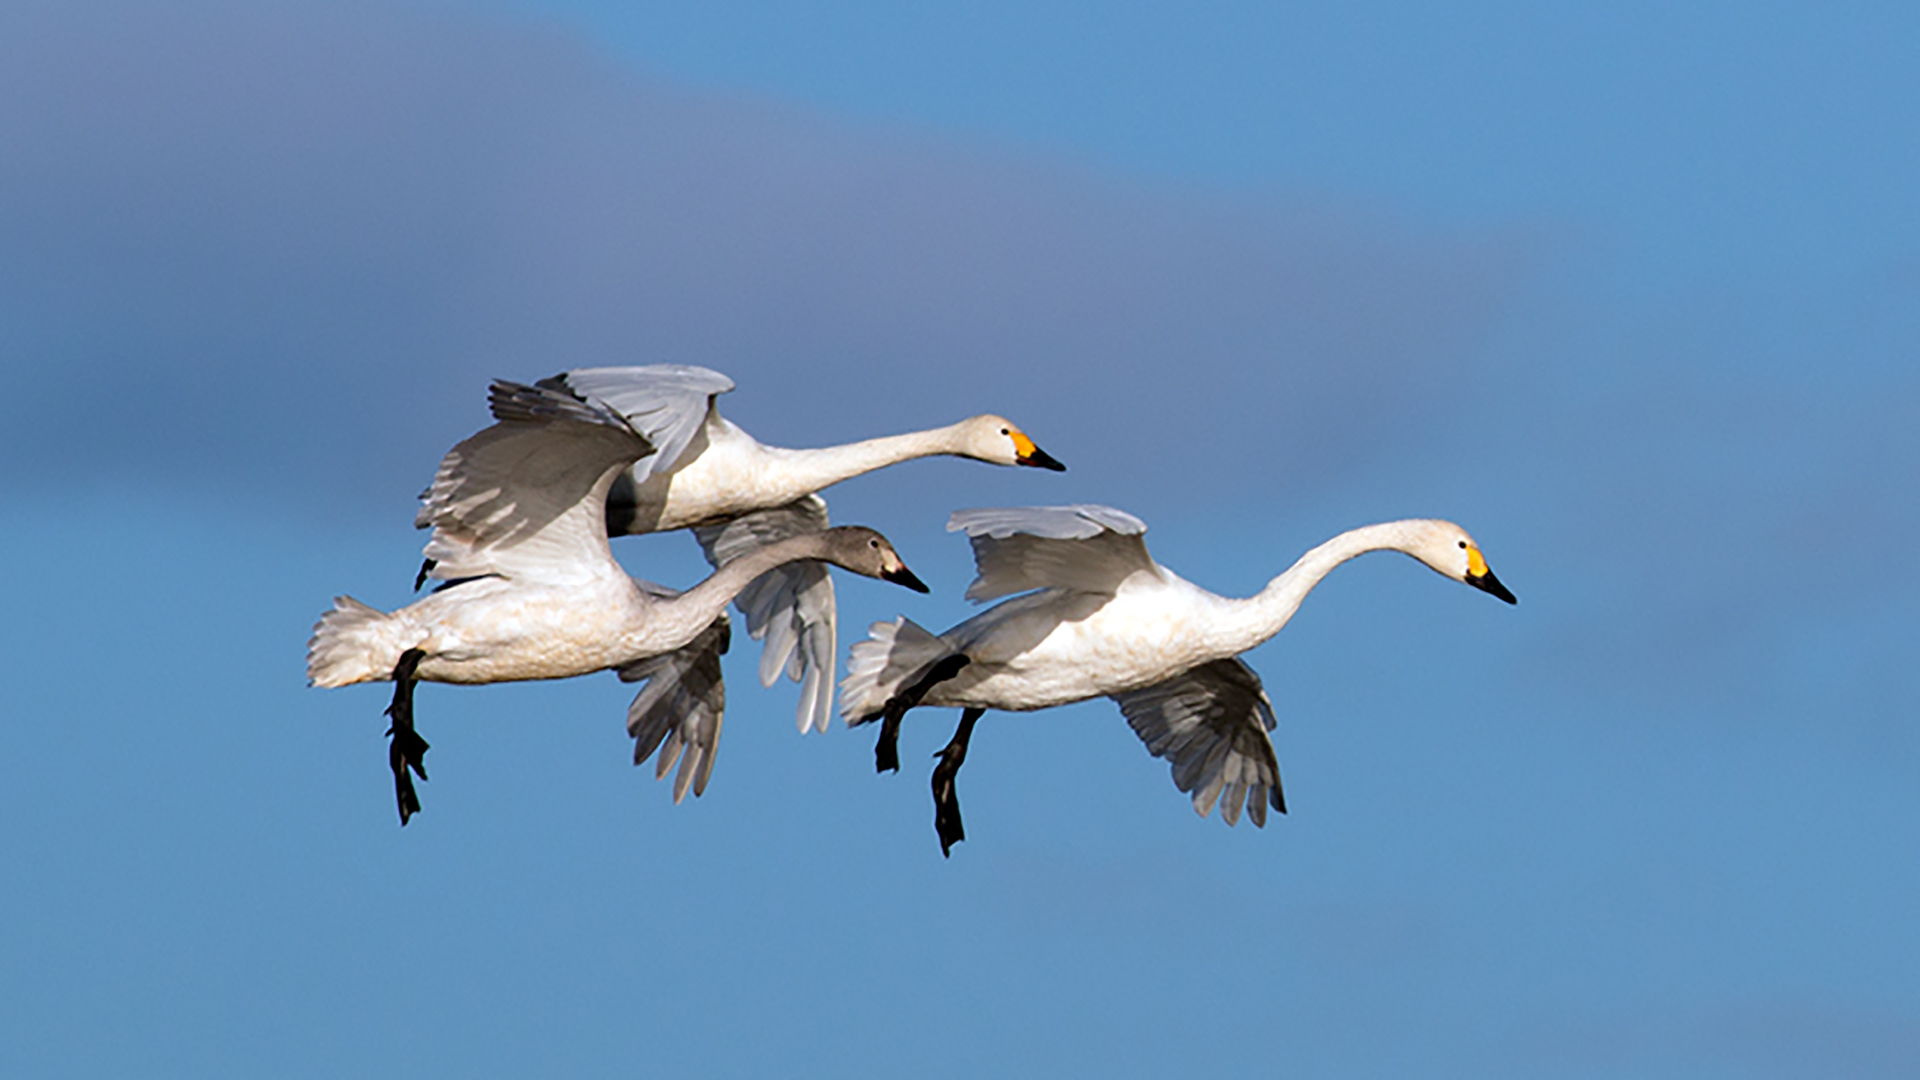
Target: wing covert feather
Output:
[(1083, 548), (526, 496), (667, 403)]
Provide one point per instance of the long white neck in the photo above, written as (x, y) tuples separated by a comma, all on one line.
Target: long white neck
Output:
[(811, 470), (1259, 617)]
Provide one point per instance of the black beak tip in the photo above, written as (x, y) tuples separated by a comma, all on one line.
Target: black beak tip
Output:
[(904, 576), (1487, 583), (1040, 459)]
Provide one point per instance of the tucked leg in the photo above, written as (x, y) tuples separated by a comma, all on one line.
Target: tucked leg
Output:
[(946, 801), (886, 752), (408, 749)]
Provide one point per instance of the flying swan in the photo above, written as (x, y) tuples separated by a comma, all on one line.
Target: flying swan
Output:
[(1100, 618), (533, 592), (737, 494)]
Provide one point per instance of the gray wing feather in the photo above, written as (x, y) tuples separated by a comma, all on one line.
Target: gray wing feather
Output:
[(682, 706), (512, 402), (1084, 548), (789, 608), (667, 403), (1078, 522), (527, 495), (1211, 723)]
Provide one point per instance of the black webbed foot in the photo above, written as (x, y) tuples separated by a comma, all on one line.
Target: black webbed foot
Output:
[(407, 750), (886, 752), (946, 800)]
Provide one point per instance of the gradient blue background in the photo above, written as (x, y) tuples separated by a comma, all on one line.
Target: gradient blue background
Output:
[(1631, 292)]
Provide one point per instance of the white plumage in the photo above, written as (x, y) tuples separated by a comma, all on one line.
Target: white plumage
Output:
[(736, 493), (1099, 618), (533, 592)]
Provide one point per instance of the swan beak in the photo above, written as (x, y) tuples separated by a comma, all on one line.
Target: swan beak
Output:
[(1480, 576), (1025, 453), (1488, 583), (900, 575)]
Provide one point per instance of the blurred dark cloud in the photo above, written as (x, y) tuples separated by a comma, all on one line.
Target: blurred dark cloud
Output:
[(276, 252), (281, 248)]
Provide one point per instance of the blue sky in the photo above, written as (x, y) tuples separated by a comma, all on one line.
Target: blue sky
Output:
[(1632, 293)]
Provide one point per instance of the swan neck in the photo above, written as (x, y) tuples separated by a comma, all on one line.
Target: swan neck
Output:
[(707, 600), (1276, 604), (812, 470)]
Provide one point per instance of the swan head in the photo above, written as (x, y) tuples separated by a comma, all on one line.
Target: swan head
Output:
[(864, 551), (1448, 549), (995, 439)]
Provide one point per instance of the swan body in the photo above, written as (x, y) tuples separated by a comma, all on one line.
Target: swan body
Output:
[(533, 591), (1099, 618), (736, 493), (1041, 650), (725, 472), (708, 470), (503, 629)]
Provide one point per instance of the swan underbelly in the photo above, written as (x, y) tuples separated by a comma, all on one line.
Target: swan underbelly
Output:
[(511, 632), (1070, 647)]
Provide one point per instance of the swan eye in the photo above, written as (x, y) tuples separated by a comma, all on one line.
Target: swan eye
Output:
[(1004, 431), (874, 544), (1463, 545)]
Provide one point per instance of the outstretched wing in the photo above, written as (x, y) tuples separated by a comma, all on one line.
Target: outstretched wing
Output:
[(667, 403), (790, 607), (1084, 548), (526, 498), (682, 704), (1211, 722)]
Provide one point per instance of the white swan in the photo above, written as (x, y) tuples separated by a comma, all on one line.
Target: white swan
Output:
[(1106, 620), (518, 512), (737, 494)]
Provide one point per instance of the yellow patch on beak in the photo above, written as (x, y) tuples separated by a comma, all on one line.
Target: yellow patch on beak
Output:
[(1476, 563), (1022, 445)]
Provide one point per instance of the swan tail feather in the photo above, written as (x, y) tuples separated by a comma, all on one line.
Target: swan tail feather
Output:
[(894, 655), (354, 643)]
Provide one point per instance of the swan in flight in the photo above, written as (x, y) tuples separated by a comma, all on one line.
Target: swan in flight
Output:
[(1100, 618), (737, 494), (533, 592)]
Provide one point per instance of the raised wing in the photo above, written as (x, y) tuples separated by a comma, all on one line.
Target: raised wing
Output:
[(667, 403), (682, 704), (790, 607), (1084, 548), (1211, 722), (526, 498)]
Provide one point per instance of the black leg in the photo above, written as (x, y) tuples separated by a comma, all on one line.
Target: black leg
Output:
[(408, 749), (886, 752), (946, 801)]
